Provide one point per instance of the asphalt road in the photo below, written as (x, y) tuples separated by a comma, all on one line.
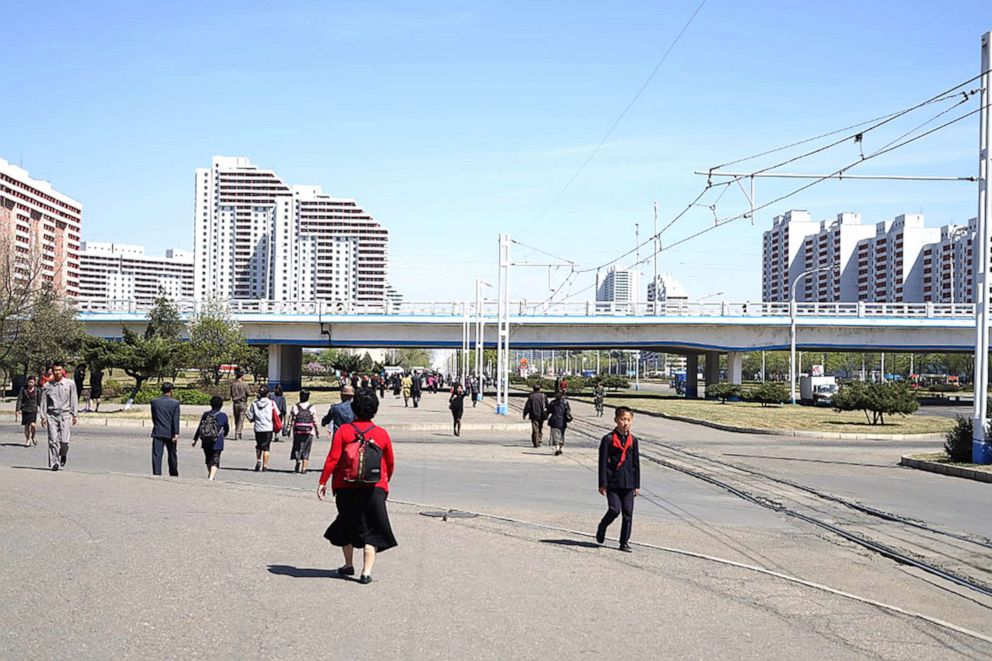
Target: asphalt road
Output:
[(102, 560)]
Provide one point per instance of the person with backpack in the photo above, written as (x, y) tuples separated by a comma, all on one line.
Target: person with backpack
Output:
[(265, 419), (457, 405), (361, 462), (619, 477), (304, 425), (211, 431), (559, 415)]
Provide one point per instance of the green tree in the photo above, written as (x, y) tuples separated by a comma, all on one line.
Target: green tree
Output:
[(876, 400), (215, 339), (50, 332), (156, 351), (254, 360), (408, 358)]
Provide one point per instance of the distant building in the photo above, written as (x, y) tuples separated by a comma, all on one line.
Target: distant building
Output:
[(617, 290), (781, 262), (949, 266), (668, 289), (124, 273), (43, 229), (890, 264), (833, 249), (256, 237)]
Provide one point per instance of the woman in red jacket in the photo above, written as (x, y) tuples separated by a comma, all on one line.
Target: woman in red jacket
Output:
[(362, 520)]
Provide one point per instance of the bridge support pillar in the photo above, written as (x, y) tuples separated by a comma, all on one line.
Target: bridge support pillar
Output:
[(711, 373), (735, 366), (692, 376), (285, 366)]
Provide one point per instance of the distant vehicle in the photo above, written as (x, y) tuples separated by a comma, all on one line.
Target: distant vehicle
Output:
[(588, 373), (389, 370), (817, 390)]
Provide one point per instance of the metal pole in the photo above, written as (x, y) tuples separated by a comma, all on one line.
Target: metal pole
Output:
[(503, 331), (598, 352), (983, 235), (881, 369), (792, 342), (762, 366), (654, 305)]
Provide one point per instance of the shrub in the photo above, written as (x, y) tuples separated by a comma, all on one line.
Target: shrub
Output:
[(958, 442), (614, 381), (768, 393), (876, 400), (190, 396), (723, 391)]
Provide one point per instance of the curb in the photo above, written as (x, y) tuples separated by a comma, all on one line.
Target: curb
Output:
[(835, 436), (945, 469)]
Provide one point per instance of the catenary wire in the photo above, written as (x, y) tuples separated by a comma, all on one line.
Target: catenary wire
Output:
[(617, 121)]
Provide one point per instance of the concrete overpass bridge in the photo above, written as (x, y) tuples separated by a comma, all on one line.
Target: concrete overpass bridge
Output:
[(690, 329)]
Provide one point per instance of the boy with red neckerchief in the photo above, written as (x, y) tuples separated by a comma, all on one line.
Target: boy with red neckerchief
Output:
[(619, 476)]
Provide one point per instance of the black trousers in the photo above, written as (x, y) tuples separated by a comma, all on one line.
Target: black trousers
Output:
[(158, 445), (619, 501)]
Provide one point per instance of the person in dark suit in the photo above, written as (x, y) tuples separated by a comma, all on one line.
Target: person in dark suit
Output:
[(165, 430), (619, 477)]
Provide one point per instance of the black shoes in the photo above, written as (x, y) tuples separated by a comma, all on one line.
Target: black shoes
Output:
[(258, 467), (346, 571), (557, 452), (55, 467), (600, 536), (626, 548), (364, 579)]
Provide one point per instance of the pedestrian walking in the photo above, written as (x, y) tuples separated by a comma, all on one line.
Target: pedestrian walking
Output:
[(397, 385), (211, 431), (96, 390), (59, 410), (239, 402), (457, 405), (360, 495), (279, 399), (619, 477), (559, 415), (165, 431), (380, 381), (28, 403), (263, 415), (305, 430), (536, 408), (340, 413), (599, 395), (79, 379), (407, 389), (416, 389), (475, 391)]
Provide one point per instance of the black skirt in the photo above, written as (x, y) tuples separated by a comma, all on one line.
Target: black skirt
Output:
[(362, 519), (28, 418)]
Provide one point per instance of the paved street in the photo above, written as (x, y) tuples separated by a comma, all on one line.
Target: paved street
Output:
[(103, 560)]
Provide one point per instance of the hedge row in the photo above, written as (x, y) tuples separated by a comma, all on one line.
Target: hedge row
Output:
[(764, 394)]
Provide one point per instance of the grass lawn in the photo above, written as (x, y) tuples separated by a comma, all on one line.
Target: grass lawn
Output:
[(943, 458), (786, 417)]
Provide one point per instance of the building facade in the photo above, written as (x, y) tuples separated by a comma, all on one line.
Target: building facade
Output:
[(893, 261), (256, 237), (618, 290), (122, 275), (40, 228)]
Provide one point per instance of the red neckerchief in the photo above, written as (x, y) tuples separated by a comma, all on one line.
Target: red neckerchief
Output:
[(623, 447)]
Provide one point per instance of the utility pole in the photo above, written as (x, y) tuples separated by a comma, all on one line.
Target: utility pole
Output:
[(636, 284), (657, 242), (503, 331), (982, 237)]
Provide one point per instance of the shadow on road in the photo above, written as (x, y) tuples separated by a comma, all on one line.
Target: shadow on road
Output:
[(13, 445), (304, 572), (32, 468), (571, 542), (267, 470)]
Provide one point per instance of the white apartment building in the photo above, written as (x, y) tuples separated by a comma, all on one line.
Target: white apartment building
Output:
[(668, 288), (124, 274), (256, 237), (617, 290), (949, 266), (781, 262), (890, 264), (832, 248), (43, 227)]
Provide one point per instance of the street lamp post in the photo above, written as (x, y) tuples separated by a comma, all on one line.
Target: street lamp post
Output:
[(792, 326)]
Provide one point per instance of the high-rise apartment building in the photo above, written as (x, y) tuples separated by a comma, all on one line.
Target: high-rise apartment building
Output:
[(783, 244), (119, 274), (42, 228), (669, 290), (256, 237), (617, 290), (890, 264), (894, 261)]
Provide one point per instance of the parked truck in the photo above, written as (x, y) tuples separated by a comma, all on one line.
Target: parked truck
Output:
[(817, 390)]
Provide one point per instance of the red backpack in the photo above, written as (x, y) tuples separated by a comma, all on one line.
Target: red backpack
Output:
[(362, 458)]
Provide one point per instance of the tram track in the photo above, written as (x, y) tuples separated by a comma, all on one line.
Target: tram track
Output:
[(961, 559)]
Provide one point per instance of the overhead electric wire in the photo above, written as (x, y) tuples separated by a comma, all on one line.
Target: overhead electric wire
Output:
[(619, 119), (543, 252)]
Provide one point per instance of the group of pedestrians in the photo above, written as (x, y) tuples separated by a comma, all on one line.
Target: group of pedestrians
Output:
[(556, 412), (55, 405)]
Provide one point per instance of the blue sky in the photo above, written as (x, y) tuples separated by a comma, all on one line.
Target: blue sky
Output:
[(454, 121)]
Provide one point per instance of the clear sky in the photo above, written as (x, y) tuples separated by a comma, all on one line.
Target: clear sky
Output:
[(454, 121)]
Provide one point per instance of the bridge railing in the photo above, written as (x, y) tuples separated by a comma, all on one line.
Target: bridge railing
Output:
[(523, 308)]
